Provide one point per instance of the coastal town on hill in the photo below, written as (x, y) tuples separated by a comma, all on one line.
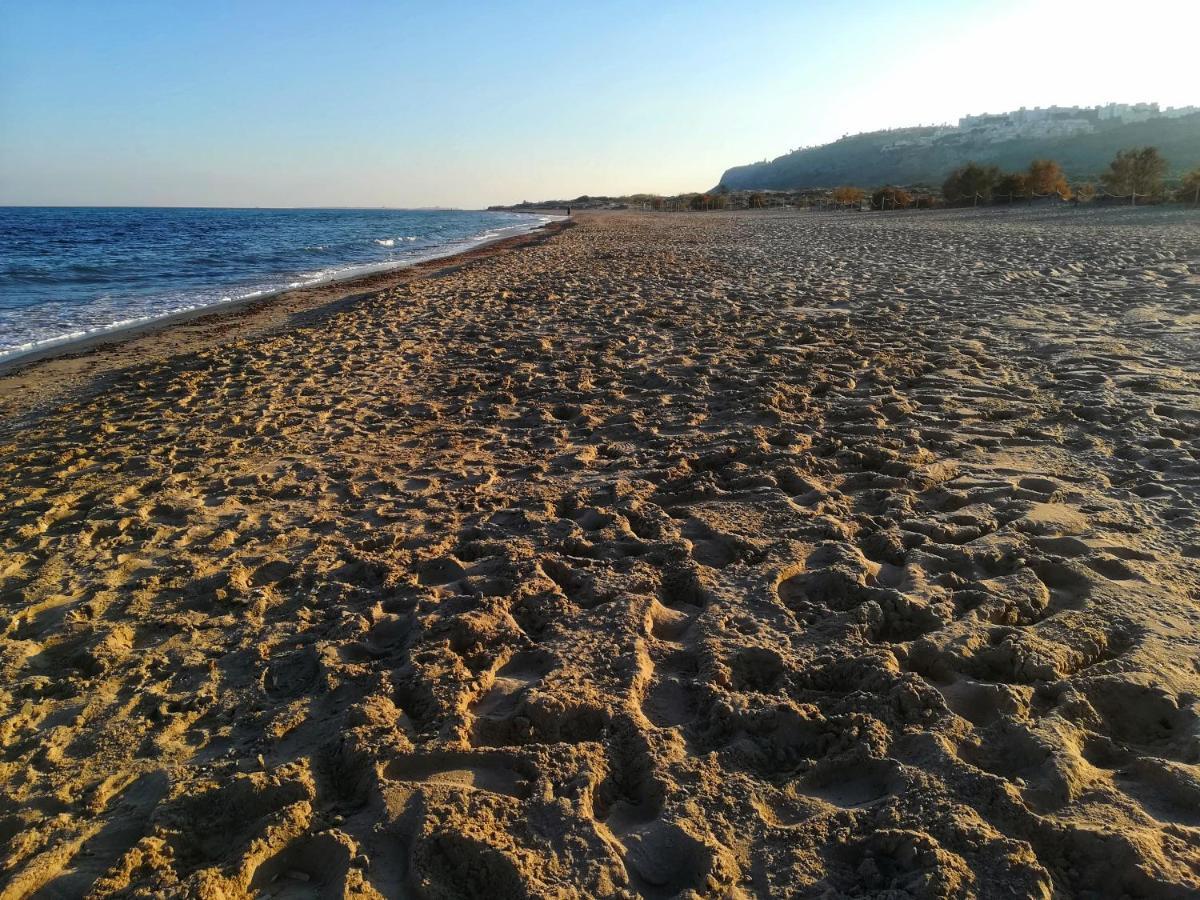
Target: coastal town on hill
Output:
[(1081, 154)]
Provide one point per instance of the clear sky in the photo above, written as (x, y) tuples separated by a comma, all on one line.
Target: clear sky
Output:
[(310, 103)]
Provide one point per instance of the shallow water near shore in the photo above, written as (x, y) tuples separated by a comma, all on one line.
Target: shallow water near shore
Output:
[(69, 273)]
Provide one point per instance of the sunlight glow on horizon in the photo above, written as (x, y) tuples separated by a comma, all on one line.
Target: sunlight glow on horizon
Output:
[(396, 104)]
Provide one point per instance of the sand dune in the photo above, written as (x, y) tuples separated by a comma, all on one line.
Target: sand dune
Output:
[(726, 556)]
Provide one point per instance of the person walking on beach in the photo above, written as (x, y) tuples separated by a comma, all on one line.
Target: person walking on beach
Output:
[(568, 212)]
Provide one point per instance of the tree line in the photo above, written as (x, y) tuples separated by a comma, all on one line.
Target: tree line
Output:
[(1134, 173)]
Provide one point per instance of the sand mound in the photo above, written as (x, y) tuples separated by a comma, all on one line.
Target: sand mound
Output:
[(731, 555)]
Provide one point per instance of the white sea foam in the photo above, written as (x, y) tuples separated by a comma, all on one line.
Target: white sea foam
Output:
[(42, 328)]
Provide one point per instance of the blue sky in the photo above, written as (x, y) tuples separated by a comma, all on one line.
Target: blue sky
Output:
[(301, 103)]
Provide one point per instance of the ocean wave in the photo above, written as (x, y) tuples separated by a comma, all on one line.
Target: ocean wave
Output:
[(57, 301)]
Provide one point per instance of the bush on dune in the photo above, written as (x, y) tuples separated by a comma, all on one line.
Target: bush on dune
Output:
[(891, 197), (970, 183), (1189, 188), (848, 195), (1136, 172)]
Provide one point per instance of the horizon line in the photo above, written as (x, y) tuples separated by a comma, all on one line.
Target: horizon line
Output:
[(201, 206)]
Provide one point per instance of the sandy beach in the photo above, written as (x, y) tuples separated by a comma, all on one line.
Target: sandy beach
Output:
[(758, 554)]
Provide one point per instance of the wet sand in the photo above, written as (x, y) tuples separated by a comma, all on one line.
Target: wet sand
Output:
[(725, 555), (34, 379)]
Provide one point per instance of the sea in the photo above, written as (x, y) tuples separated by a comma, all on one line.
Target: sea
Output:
[(70, 273)]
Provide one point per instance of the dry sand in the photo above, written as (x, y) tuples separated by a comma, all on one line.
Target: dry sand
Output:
[(725, 555)]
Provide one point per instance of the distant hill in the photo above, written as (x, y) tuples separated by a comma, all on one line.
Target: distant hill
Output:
[(910, 156)]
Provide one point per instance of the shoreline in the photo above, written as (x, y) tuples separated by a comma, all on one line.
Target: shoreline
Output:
[(46, 349), (350, 273), (244, 317)]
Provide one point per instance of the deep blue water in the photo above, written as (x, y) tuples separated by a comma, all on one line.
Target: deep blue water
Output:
[(66, 273)]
